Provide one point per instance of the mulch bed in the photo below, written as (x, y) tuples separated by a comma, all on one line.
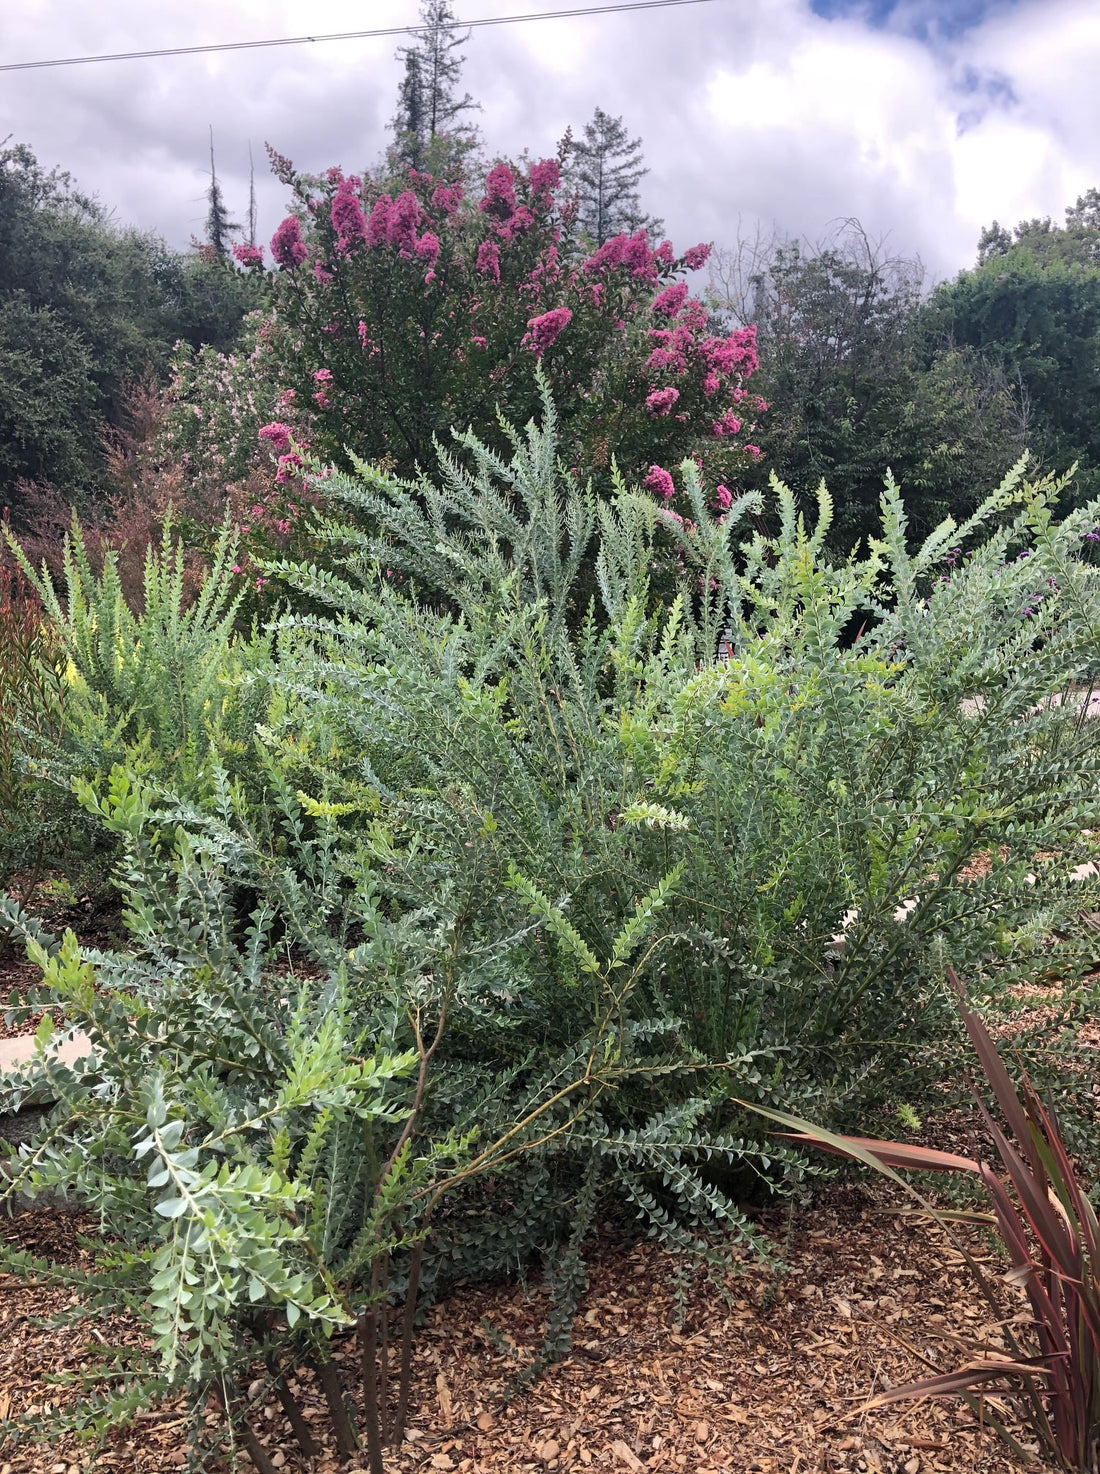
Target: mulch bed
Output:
[(765, 1373), (759, 1372)]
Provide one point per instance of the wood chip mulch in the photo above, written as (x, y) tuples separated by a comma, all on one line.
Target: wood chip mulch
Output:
[(762, 1373)]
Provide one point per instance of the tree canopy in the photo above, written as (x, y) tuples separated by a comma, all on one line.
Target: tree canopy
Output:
[(87, 307), (1031, 307)]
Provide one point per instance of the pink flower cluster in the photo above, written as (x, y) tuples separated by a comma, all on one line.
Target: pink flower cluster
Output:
[(287, 245), (427, 247), (395, 222), (248, 254), (696, 257), (488, 260), (660, 483), (543, 331), (735, 354), (544, 178), (629, 251), (347, 217), (729, 424), (671, 300), (500, 191), (447, 198), (660, 402), (277, 436)]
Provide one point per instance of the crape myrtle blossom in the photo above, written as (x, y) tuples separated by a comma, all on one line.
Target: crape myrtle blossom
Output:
[(277, 436), (661, 401), (660, 483), (697, 257), (248, 254), (500, 191), (347, 216), (287, 245), (404, 221), (729, 424), (543, 331), (378, 226), (462, 292), (427, 247), (544, 178), (447, 198), (670, 301), (488, 260)]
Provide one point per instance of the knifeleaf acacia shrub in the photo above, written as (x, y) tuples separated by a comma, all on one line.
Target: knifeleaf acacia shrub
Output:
[(570, 873)]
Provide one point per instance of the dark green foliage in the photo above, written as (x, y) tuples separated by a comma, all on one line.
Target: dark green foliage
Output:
[(86, 309), (219, 227), (604, 169), (1032, 308), (860, 384), (428, 105), (40, 827)]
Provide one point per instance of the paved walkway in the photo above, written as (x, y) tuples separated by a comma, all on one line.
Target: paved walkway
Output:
[(14, 1052)]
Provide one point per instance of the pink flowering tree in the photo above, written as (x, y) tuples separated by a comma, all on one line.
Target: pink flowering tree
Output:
[(403, 308)]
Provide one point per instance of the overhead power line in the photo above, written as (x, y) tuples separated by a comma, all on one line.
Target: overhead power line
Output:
[(491, 20)]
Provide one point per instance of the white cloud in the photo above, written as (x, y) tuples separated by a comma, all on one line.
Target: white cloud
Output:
[(747, 108)]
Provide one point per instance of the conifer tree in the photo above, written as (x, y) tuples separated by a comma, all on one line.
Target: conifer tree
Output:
[(604, 171), (251, 197), (428, 101), (219, 227)]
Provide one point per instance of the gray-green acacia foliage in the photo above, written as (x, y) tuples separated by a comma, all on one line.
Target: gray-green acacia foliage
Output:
[(571, 868)]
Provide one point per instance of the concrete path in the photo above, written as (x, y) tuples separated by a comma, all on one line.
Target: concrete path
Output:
[(15, 1052)]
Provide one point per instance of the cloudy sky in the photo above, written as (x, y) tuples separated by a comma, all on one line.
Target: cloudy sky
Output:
[(923, 118)]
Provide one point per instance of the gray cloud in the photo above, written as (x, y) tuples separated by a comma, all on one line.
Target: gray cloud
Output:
[(748, 109)]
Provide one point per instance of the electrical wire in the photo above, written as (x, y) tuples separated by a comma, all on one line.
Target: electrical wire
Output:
[(493, 20)]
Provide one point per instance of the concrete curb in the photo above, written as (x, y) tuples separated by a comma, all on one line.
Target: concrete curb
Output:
[(17, 1051)]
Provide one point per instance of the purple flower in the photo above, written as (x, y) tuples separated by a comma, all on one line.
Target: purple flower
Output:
[(500, 190), (729, 424), (542, 331), (347, 217), (378, 226), (247, 254), (722, 498), (609, 255), (447, 198), (661, 401), (403, 222), (737, 353), (277, 435), (488, 259), (544, 178), (287, 245), (696, 257), (660, 483), (427, 248), (670, 301), (638, 256)]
